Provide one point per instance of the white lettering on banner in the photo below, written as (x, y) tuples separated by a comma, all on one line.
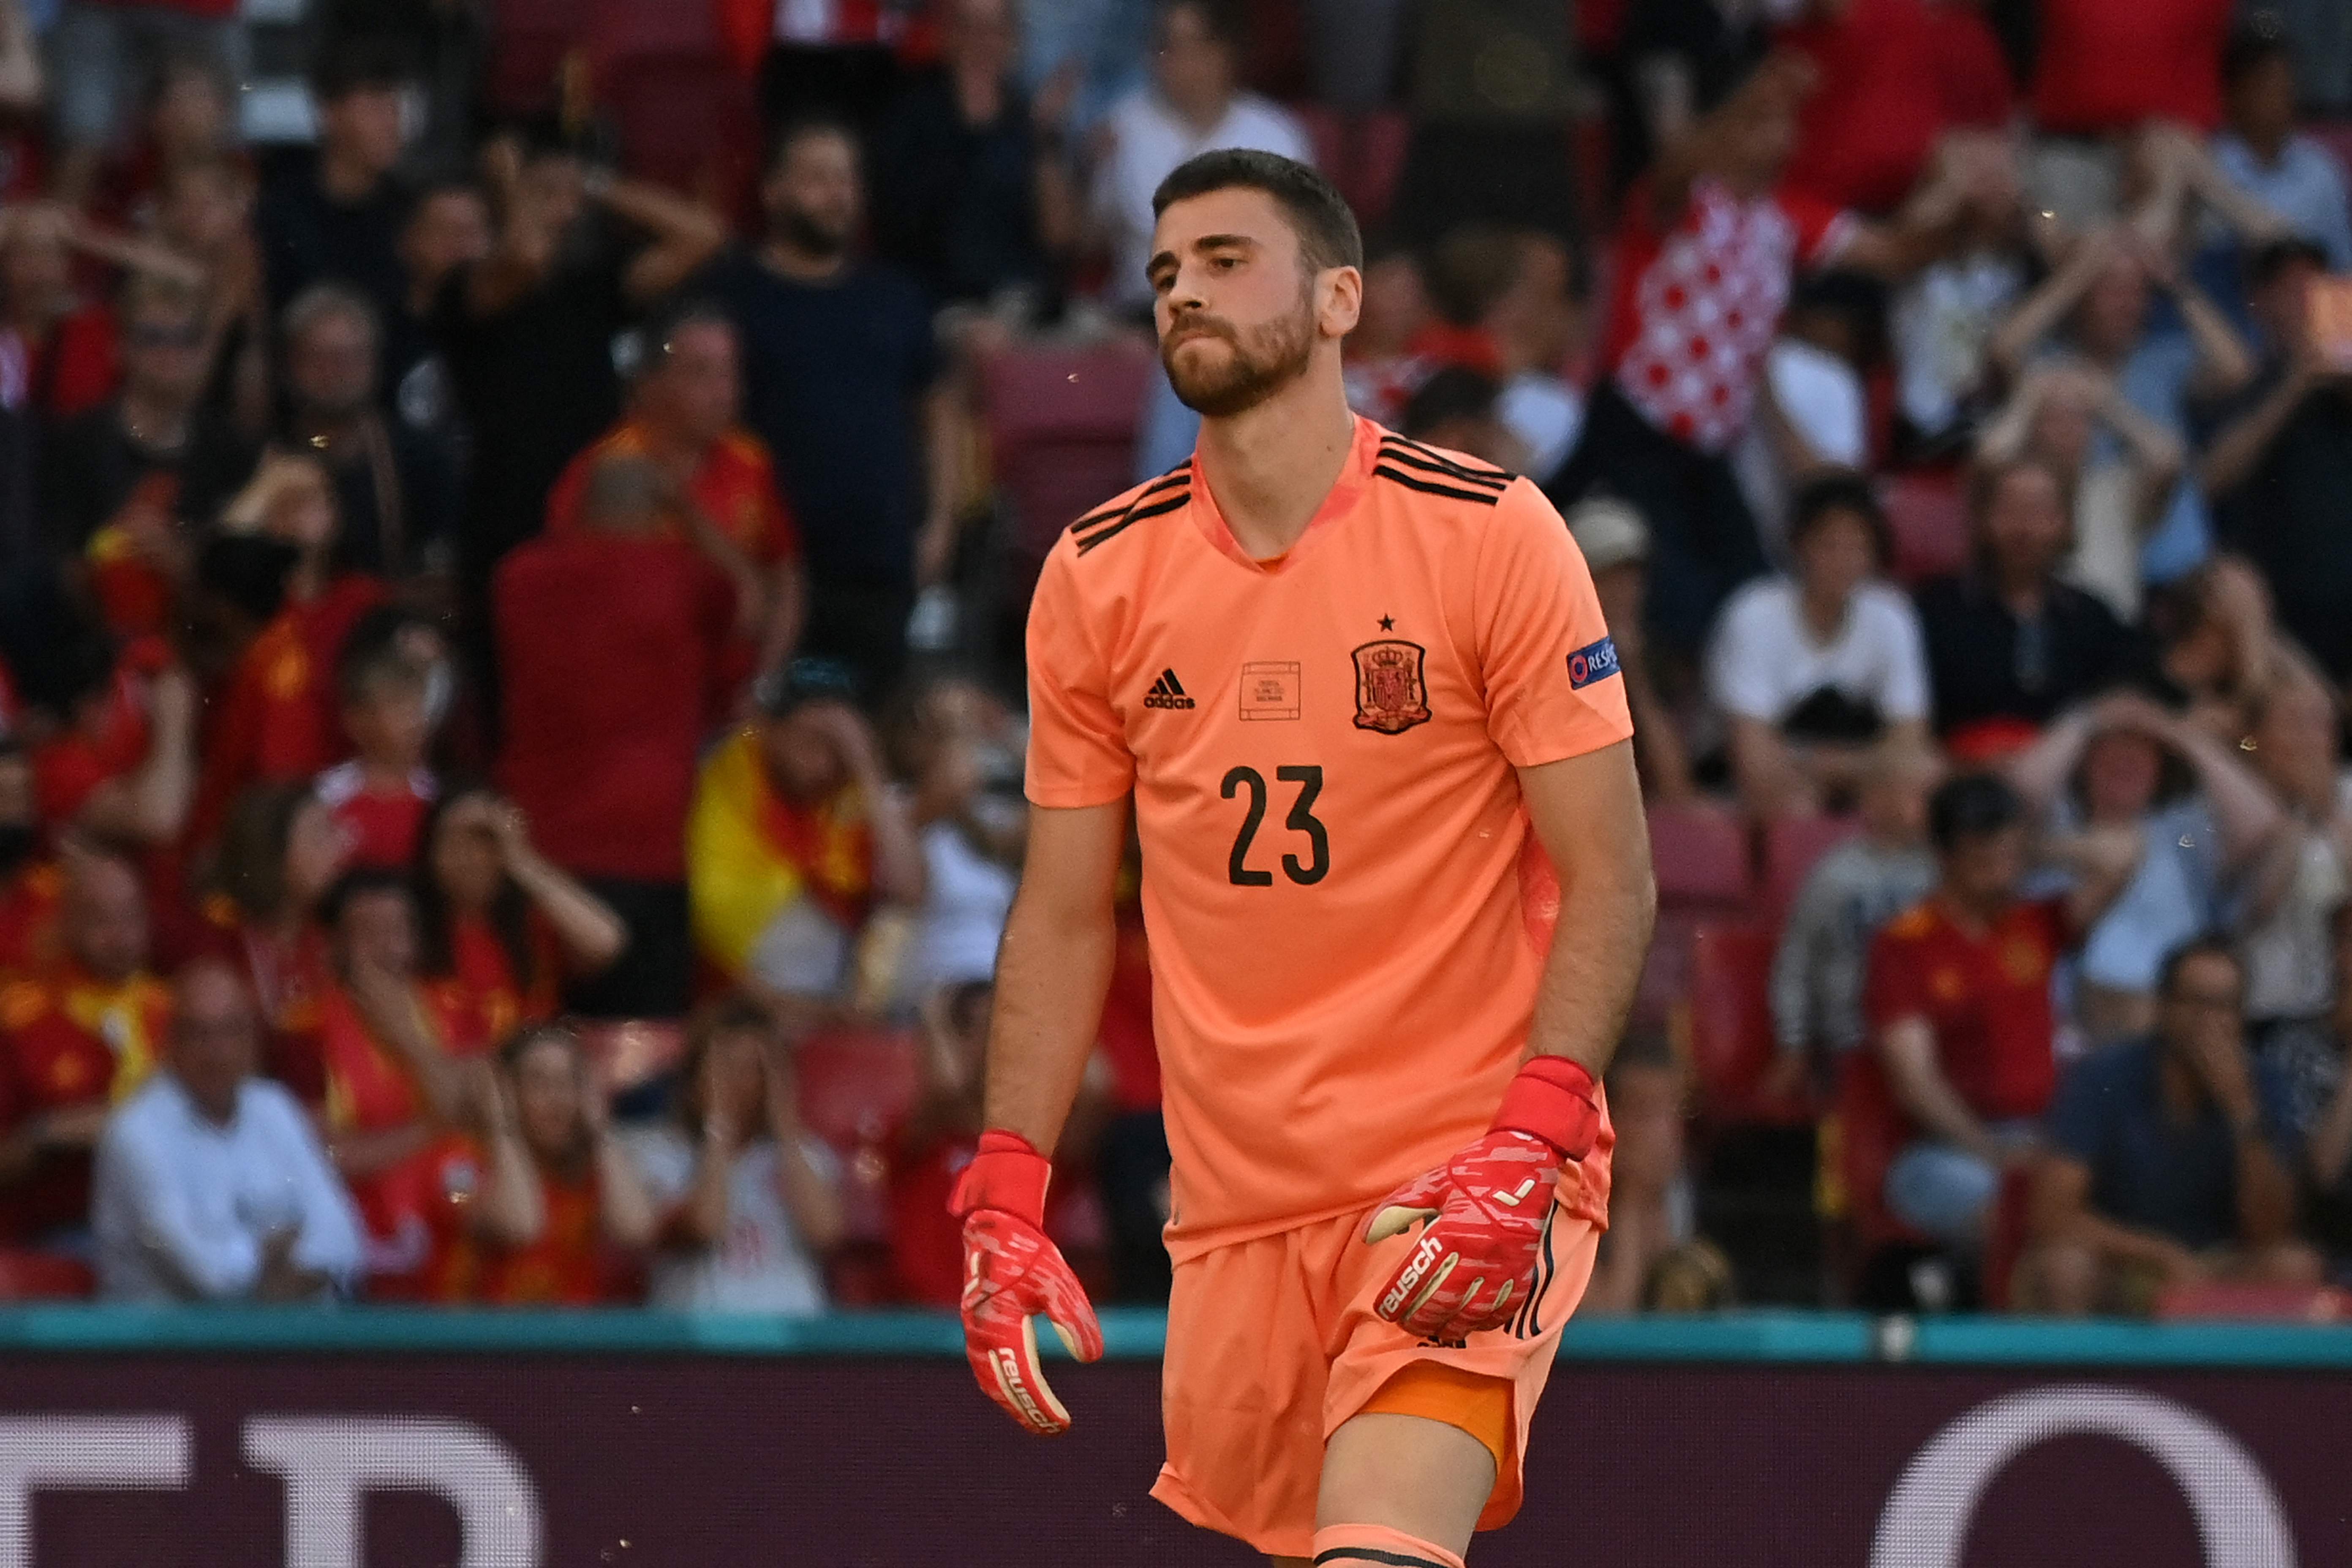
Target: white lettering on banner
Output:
[(2240, 1520), (81, 1453), (329, 1464)]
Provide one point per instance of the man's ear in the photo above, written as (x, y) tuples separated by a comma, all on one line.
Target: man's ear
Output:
[(1339, 300)]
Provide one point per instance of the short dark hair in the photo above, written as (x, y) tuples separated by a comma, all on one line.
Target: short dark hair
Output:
[(1971, 805), (349, 65), (2207, 945), (1839, 490), (2276, 256), (1327, 236), (1221, 17), (359, 882), (2258, 39)]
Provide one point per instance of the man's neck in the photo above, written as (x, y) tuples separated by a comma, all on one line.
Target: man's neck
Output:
[(1271, 466), (1822, 616), (2267, 146), (1975, 916), (2024, 597), (978, 94), (804, 266), (221, 1113), (667, 448), (344, 178), (1204, 115), (2178, 1087)]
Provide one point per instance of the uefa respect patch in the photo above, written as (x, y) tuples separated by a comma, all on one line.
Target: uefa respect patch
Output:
[(1596, 661)]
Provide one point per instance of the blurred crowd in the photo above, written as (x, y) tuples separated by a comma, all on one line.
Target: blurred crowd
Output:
[(511, 561)]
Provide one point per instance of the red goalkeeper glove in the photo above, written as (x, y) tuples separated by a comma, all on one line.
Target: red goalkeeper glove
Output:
[(1014, 1274), (1474, 1265)]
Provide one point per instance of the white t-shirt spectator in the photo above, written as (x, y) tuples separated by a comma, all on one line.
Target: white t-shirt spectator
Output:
[(182, 1205), (1765, 662), (1148, 141), (1822, 400), (967, 898), (2306, 188), (761, 1265), (1546, 414)]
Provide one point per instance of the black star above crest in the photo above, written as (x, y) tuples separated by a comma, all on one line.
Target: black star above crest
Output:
[(1388, 623)]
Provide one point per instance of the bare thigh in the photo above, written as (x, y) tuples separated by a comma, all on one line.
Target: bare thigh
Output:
[(1407, 1473)]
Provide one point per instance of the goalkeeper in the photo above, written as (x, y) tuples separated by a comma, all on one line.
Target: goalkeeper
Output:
[(1359, 696)]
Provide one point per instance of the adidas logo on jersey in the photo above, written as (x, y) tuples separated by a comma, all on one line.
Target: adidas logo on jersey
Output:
[(1167, 692)]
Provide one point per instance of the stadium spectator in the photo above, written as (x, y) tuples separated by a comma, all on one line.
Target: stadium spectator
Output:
[(2260, 150), (685, 417), (1956, 999), (2296, 733), (380, 796), (58, 351), (2126, 769), (275, 718), (1941, 320), (75, 1038), (334, 213), (2008, 645), (593, 1214), (971, 849), (938, 1138), (500, 925), (2120, 470), (2168, 1159), (1536, 321), (1852, 891), (600, 734), (527, 331), (279, 852), (397, 1102), (1616, 546), (448, 228), (841, 374), (794, 836), (2223, 651), (101, 54), (747, 1199), (2274, 463), (396, 486), (2306, 1057), (1812, 412), (1815, 667), (1194, 104), (971, 189), (210, 1183), (2103, 297), (121, 766), (112, 480), (1708, 246), (29, 883), (1382, 366)]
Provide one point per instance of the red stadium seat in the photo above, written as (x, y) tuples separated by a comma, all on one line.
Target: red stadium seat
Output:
[(1870, 1131), (1791, 846), (2276, 1303), (1701, 859), (1061, 429), (27, 1275), (1731, 1046), (1929, 520)]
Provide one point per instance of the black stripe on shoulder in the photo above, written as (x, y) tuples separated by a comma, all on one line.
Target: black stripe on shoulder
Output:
[(1437, 462), (1374, 1554), (1173, 477), (1484, 497), (1157, 509)]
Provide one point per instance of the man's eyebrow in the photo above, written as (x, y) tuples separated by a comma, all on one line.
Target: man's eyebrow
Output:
[(1225, 242)]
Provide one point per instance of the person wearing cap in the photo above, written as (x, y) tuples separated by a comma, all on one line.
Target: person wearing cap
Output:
[(795, 838), (2276, 462), (1616, 545), (602, 722)]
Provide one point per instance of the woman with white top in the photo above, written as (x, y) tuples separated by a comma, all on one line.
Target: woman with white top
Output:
[(1813, 668)]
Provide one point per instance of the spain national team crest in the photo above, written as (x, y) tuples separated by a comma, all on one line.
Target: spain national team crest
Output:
[(1391, 695)]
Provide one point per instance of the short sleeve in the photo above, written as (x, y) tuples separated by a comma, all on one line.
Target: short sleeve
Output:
[(1552, 683), (1077, 746)]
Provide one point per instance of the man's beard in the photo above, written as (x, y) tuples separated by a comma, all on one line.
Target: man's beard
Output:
[(1262, 363), (806, 235)]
